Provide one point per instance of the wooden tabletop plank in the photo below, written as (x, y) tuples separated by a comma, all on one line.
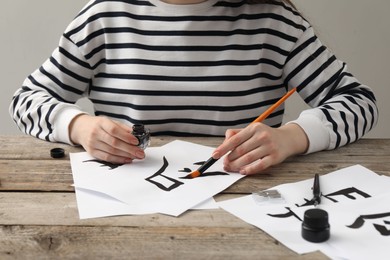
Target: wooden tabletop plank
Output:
[(25, 208), (43, 225), (38, 175), (83, 242)]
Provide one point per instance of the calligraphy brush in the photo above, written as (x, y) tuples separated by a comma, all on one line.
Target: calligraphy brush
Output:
[(263, 116), (316, 190)]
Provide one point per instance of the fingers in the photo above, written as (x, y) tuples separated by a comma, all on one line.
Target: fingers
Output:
[(116, 143), (274, 145), (108, 157), (230, 132), (117, 135), (112, 149), (252, 150), (251, 161), (106, 139), (252, 156), (121, 131), (233, 139), (256, 167)]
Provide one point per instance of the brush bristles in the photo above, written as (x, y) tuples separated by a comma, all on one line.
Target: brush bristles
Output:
[(195, 174)]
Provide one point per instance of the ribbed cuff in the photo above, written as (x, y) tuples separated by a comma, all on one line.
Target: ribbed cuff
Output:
[(315, 130), (62, 121)]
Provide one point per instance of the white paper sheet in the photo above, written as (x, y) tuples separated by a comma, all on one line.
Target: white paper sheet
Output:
[(93, 204), (347, 189), (165, 193), (353, 231)]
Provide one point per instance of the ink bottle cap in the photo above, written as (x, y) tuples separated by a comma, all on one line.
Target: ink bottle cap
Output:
[(315, 225), (142, 134), (57, 153)]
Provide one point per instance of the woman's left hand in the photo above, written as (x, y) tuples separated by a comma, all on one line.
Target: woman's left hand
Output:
[(258, 146)]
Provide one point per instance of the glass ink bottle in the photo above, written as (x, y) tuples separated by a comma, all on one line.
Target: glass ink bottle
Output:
[(315, 225), (142, 134)]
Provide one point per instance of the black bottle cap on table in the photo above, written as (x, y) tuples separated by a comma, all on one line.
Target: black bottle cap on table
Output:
[(315, 225), (57, 153)]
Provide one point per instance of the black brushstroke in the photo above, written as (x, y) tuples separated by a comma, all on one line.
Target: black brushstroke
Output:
[(175, 184), (307, 203), (347, 193), (185, 170), (205, 174), (289, 214), (110, 165), (200, 163), (344, 192), (359, 222), (383, 230)]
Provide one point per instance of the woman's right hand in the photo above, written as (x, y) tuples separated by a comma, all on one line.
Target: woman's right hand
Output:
[(105, 139)]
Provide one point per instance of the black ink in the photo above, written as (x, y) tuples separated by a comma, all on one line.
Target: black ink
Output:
[(382, 229), (289, 214), (307, 203), (200, 163), (344, 192), (175, 184), (359, 222), (347, 193), (205, 174), (112, 166)]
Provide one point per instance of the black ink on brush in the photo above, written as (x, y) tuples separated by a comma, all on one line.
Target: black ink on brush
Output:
[(201, 169), (204, 174)]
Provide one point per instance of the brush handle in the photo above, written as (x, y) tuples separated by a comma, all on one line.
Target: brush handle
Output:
[(316, 190), (274, 106), (207, 165)]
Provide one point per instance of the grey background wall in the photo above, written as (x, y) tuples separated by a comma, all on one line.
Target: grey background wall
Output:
[(356, 30)]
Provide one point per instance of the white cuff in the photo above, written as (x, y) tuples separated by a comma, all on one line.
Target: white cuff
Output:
[(315, 130), (62, 121)]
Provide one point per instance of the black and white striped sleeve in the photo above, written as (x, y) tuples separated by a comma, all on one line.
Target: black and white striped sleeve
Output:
[(343, 109), (44, 106)]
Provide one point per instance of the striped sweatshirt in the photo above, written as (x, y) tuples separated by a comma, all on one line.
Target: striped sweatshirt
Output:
[(195, 69)]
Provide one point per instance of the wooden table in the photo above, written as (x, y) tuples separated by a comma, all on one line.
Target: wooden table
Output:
[(39, 217)]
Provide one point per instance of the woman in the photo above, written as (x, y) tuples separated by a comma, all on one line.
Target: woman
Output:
[(194, 67)]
